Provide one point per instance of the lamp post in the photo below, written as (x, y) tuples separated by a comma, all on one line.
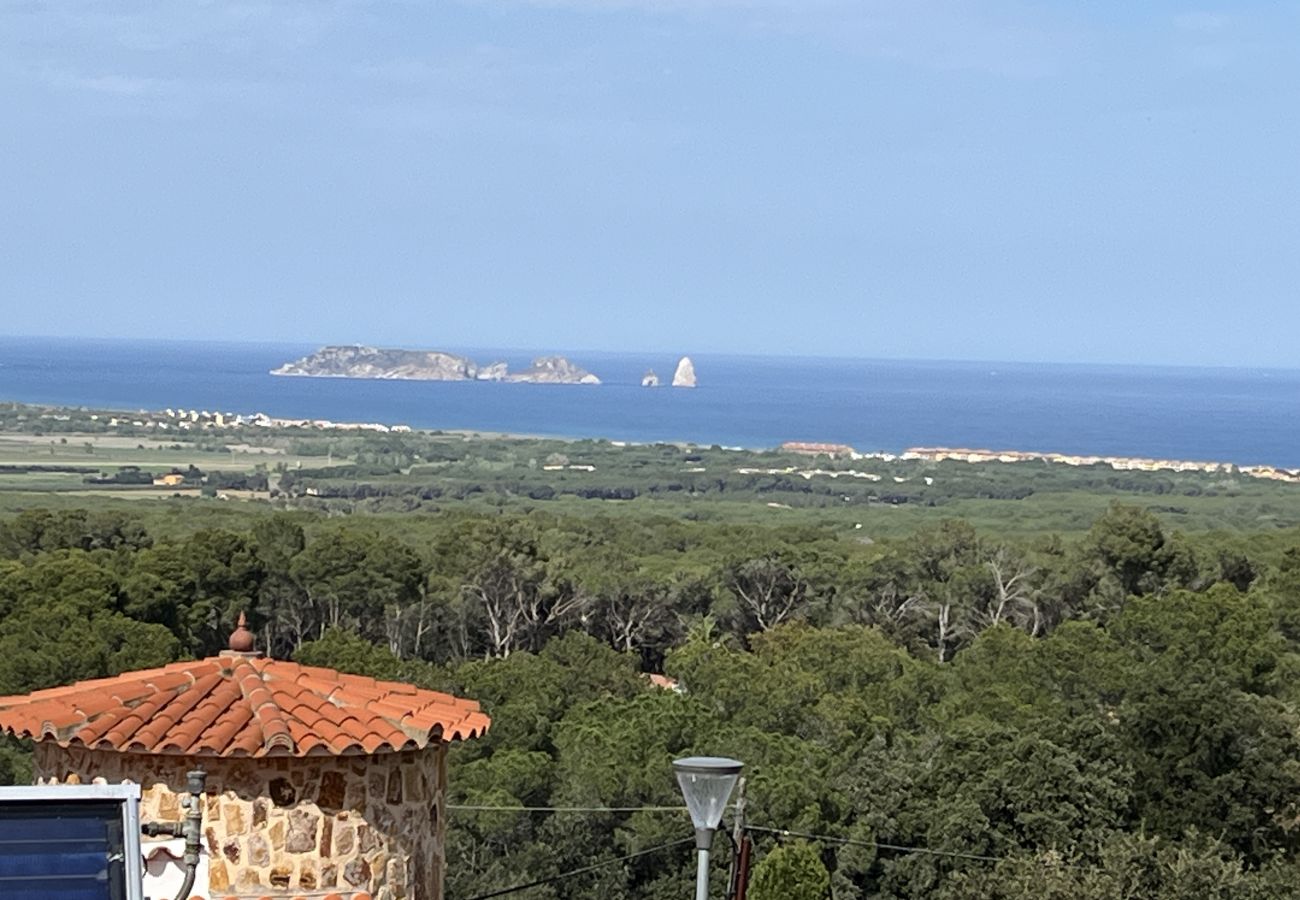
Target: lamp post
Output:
[(706, 783)]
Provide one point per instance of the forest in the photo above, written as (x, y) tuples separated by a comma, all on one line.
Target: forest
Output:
[(949, 713)]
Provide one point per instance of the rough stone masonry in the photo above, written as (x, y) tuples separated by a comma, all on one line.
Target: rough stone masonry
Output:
[(289, 825)]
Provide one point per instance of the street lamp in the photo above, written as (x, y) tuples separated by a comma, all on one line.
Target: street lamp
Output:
[(706, 783)]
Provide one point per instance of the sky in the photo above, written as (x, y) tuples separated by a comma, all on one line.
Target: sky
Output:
[(1103, 182)]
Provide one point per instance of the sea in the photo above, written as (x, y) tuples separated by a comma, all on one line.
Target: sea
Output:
[(1238, 415)]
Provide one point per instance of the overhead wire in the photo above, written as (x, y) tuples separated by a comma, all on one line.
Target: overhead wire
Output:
[(584, 870), (758, 829), (878, 845), (457, 807), (778, 832)]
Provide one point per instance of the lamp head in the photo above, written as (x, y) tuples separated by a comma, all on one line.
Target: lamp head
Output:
[(707, 783)]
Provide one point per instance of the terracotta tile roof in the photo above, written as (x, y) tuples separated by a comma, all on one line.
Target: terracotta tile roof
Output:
[(241, 705), (663, 681)]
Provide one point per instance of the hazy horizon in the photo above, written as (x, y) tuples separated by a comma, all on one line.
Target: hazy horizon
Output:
[(296, 345), (1112, 184)]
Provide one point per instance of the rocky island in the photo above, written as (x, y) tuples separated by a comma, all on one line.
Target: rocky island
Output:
[(428, 365), (551, 370)]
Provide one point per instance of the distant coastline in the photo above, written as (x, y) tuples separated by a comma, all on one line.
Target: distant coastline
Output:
[(1231, 416), (1118, 463), (188, 420)]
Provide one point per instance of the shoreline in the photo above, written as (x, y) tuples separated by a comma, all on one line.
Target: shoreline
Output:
[(1078, 460), (1118, 463), (194, 420)]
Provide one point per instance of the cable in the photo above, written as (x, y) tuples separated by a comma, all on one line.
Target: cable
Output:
[(780, 832), (783, 832), (566, 809), (563, 875)]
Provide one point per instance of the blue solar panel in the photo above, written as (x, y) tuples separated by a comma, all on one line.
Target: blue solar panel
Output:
[(62, 850)]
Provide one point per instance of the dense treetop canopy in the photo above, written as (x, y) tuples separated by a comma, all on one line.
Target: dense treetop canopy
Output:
[(950, 714)]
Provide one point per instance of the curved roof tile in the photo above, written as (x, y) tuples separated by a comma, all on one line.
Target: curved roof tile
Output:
[(241, 705)]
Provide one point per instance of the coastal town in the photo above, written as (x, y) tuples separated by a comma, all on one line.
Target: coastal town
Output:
[(196, 420), (1118, 463)]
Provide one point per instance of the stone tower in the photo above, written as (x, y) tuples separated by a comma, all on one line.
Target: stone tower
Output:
[(318, 783)]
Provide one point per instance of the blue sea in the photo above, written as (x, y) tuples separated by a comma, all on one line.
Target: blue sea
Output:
[(1245, 416)]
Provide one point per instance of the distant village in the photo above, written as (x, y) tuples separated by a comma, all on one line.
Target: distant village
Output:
[(1119, 463), (194, 419)]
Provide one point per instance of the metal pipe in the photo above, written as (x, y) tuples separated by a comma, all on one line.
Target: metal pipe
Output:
[(158, 829), (192, 830), (191, 872)]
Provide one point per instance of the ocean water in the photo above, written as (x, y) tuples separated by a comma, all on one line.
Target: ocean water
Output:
[(1245, 416)]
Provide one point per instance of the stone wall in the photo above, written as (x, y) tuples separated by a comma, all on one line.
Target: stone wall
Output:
[(290, 826)]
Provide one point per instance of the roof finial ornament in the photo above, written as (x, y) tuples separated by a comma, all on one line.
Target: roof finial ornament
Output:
[(241, 639)]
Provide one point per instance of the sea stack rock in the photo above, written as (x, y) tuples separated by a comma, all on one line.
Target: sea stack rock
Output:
[(650, 379), (685, 375)]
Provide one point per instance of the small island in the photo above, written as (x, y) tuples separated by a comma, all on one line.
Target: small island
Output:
[(428, 365), (684, 377)]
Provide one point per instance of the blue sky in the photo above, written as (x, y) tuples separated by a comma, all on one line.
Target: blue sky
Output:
[(1115, 182)]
